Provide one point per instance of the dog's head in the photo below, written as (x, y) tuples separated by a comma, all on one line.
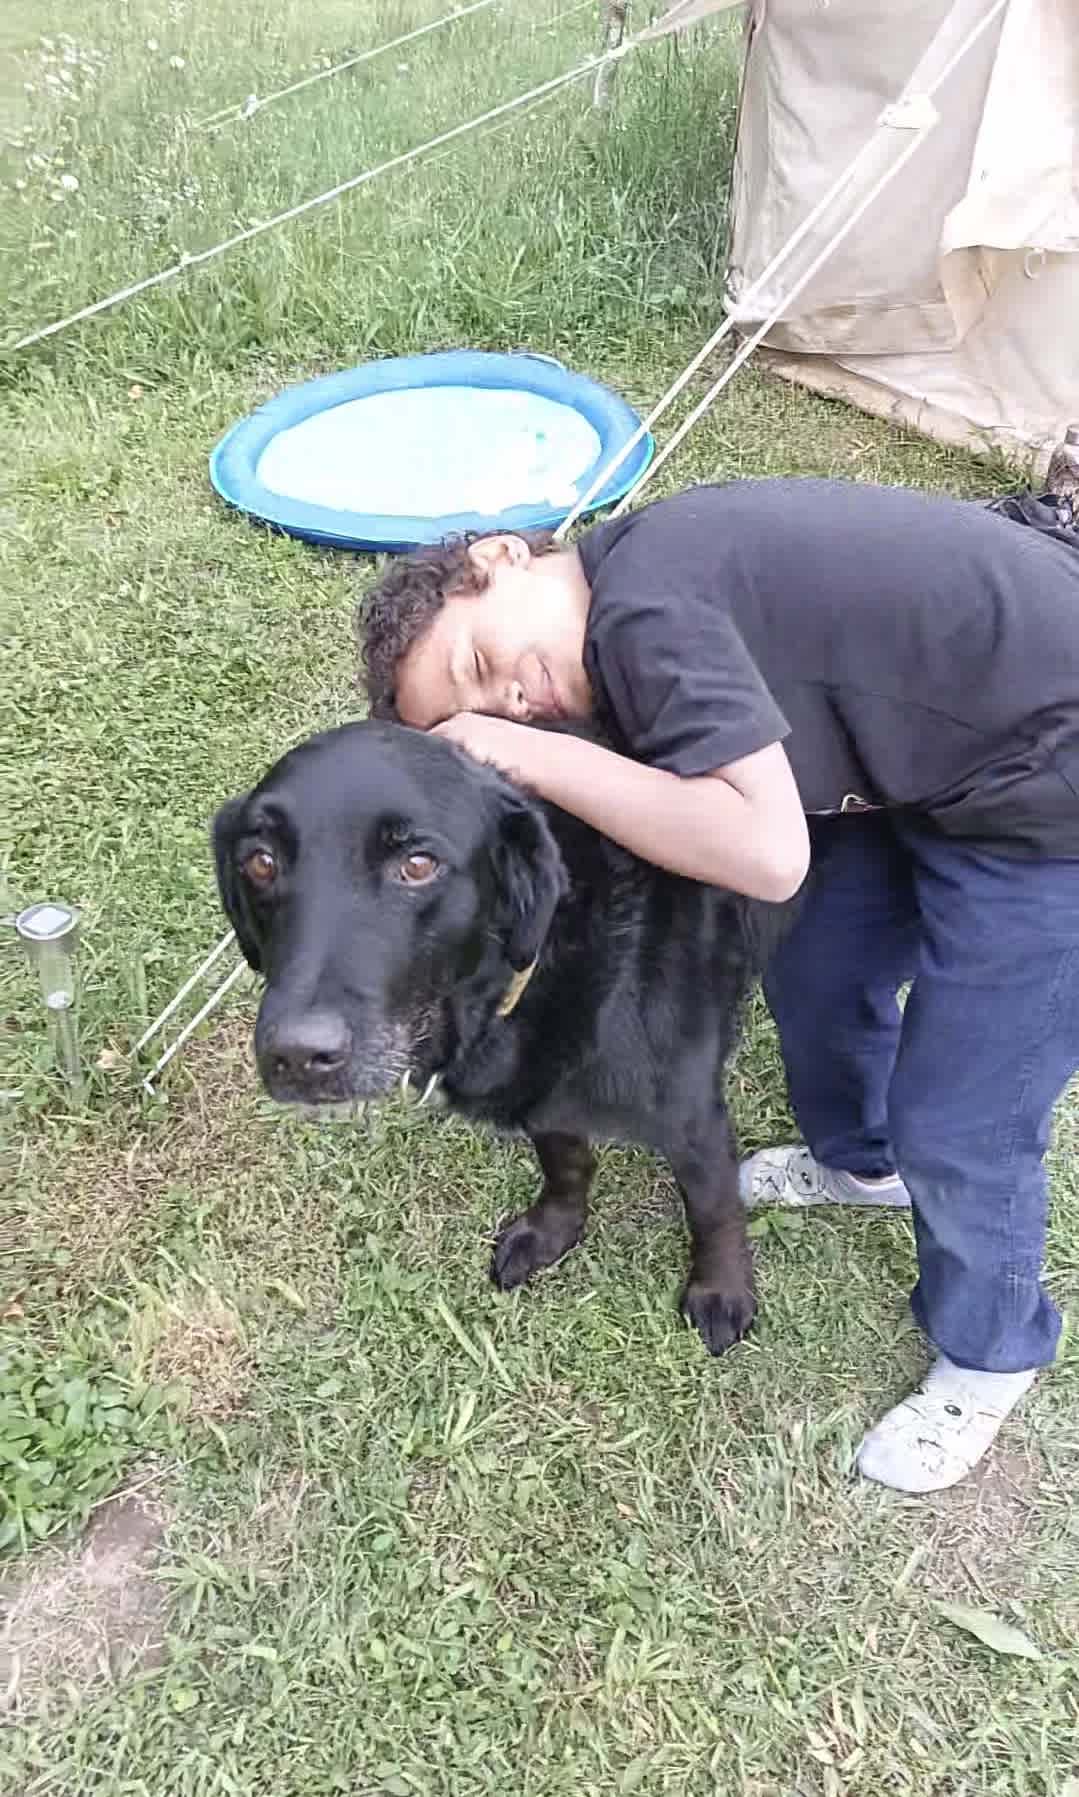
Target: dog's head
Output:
[(388, 888)]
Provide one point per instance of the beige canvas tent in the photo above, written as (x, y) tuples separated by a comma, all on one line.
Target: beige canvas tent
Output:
[(954, 304)]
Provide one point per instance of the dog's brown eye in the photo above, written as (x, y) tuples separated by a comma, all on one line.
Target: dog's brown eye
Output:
[(417, 870), (260, 868)]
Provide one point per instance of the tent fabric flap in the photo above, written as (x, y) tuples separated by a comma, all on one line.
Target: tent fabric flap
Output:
[(953, 301)]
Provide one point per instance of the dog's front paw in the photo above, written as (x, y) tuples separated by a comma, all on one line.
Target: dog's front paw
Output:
[(535, 1239), (721, 1315)]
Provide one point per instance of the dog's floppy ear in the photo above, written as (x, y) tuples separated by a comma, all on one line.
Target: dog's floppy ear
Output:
[(530, 877), (233, 896)]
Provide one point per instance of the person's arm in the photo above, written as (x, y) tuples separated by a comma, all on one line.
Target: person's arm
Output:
[(741, 827)]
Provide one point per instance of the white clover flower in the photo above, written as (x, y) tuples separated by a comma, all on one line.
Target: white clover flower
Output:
[(152, 43), (69, 183), (176, 62)]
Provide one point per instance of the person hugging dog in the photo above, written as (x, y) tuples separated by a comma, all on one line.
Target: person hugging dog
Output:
[(884, 685)]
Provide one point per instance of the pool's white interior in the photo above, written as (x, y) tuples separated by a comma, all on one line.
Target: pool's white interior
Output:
[(432, 452)]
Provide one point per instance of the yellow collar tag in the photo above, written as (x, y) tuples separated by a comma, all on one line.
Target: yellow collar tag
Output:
[(513, 993)]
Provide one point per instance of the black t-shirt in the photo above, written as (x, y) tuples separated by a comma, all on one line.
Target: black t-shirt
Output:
[(907, 650)]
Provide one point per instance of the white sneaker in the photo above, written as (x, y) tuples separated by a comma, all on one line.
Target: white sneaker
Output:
[(937, 1436), (790, 1176)]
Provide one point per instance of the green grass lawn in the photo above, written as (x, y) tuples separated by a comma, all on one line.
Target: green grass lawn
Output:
[(356, 1523)]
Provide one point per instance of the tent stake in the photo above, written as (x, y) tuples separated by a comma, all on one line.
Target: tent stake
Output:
[(614, 30)]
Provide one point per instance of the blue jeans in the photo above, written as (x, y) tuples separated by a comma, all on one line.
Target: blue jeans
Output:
[(957, 1090)]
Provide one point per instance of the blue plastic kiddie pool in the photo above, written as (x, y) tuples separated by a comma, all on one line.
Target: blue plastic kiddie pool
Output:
[(406, 451)]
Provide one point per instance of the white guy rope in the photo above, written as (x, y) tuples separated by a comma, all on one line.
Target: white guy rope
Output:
[(189, 1029), (247, 108), (199, 974), (774, 315), (534, 95), (782, 255)]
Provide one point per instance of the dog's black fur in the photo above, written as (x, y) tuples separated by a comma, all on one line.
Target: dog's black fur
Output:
[(623, 1032)]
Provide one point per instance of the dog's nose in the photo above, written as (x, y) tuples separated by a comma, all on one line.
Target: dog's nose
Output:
[(310, 1048)]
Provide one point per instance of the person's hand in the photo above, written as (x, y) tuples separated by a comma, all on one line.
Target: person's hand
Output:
[(497, 741)]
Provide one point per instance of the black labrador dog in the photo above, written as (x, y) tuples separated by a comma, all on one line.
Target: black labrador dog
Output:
[(417, 915)]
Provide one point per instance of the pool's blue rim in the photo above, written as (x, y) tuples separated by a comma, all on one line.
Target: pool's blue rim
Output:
[(235, 459)]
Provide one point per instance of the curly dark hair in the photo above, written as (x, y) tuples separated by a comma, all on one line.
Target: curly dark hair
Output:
[(407, 597)]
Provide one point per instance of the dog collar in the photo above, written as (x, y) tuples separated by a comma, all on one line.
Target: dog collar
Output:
[(511, 998)]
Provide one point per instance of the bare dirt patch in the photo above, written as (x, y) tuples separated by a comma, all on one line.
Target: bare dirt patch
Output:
[(1002, 1526), (87, 1613)]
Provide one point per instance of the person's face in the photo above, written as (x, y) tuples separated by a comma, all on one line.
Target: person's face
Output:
[(514, 650)]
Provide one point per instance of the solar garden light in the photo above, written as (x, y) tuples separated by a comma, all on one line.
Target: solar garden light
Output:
[(50, 935)]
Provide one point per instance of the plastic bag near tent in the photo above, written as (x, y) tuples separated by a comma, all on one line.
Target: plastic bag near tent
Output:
[(954, 306)]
